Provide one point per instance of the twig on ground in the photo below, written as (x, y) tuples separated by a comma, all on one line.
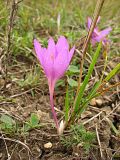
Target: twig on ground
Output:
[(100, 121), (118, 105), (5, 102), (104, 90), (8, 154), (14, 150), (3, 111), (115, 152), (99, 142), (21, 151), (19, 94), (92, 118), (17, 141)]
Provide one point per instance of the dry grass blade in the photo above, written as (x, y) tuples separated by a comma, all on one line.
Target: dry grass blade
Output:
[(13, 13), (8, 155), (103, 91), (92, 118), (17, 141), (99, 142)]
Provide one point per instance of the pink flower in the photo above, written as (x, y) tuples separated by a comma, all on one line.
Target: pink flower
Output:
[(98, 36), (54, 60)]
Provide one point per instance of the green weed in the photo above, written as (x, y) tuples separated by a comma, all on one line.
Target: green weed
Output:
[(79, 136), (32, 123), (13, 127), (7, 124), (32, 78)]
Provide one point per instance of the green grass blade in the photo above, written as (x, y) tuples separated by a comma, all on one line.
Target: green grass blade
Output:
[(89, 98), (113, 72), (67, 105), (87, 77), (94, 89)]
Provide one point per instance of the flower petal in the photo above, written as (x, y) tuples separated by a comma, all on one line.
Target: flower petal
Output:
[(38, 51), (48, 64), (61, 64), (71, 53), (103, 34), (51, 48), (62, 44), (89, 21), (106, 31), (93, 41)]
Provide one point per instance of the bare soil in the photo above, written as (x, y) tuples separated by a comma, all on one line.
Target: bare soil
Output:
[(21, 102)]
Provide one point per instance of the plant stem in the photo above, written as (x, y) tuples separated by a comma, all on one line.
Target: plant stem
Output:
[(53, 111), (51, 90)]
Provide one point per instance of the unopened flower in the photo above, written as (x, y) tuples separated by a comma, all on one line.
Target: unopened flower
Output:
[(97, 35), (54, 60)]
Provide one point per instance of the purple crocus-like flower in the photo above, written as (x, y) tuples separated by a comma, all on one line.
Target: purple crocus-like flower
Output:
[(54, 60), (98, 36)]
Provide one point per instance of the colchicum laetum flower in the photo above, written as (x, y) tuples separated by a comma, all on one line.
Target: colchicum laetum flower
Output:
[(54, 60), (97, 35)]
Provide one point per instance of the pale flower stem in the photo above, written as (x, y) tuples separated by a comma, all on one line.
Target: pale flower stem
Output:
[(53, 111)]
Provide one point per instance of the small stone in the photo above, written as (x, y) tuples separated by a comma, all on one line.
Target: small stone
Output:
[(8, 85), (99, 102), (0, 155), (38, 149), (93, 102), (105, 73), (25, 114), (48, 145), (113, 105)]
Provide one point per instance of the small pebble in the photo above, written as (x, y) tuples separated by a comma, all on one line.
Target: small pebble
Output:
[(48, 145), (0, 155), (99, 102), (93, 102), (113, 105)]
